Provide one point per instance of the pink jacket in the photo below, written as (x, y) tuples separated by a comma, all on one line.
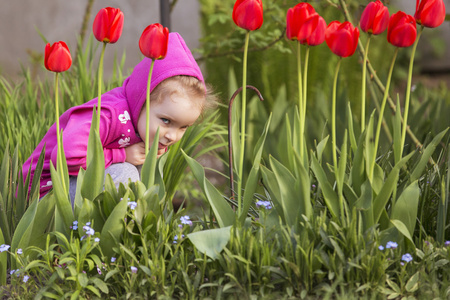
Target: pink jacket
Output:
[(119, 115)]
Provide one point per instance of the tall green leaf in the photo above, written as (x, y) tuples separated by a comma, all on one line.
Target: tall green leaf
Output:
[(113, 227), (222, 210)]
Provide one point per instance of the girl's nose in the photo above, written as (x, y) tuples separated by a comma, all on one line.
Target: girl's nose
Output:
[(170, 135)]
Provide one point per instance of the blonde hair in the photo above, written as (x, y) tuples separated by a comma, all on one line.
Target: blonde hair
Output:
[(187, 85)]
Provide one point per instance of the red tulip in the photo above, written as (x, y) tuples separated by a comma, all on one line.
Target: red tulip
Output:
[(430, 13), (108, 25), (375, 18), (248, 14), (342, 39), (402, 30), (57, 57), (318, 35), (154, 40), (301, 20)]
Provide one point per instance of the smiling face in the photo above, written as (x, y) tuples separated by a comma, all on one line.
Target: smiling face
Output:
[(173, 114)]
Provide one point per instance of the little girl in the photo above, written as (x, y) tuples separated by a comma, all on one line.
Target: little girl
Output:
[(178, 97)]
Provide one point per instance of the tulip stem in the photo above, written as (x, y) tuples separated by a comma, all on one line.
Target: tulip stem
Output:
[(303, 116), (243, 112), (408, 91), (333, 133), (380, 118), (300, 98), (59, 162), (363, 89), (100, 80), (147, 109)]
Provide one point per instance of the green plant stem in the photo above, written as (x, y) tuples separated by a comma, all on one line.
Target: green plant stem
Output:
[(380, 119), (333, 133), (305, 82), (147, 108), (363, 89), (59, 162), (408, 91), (300, 98), (100, 80), (243, 112)]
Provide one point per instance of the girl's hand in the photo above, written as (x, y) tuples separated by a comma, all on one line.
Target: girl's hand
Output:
[(135, 154)]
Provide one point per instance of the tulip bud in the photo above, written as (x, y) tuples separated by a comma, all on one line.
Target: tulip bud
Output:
[(57, 57), (154, 40), (430, 13), (402, 30), (317, 37), (248, 14), (301, 21), (342, 38), (375, 18), (108, 25)]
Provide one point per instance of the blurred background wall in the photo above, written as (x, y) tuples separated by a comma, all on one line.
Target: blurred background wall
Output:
[(58, 20)]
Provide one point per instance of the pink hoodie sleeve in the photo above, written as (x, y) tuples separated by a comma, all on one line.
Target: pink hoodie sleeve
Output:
[(75, 141)]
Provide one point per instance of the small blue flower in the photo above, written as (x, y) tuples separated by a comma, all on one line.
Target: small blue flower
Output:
[(25, 278), (4, 247), (381, 247), (132, 205), (12, 272), (88, 223), (392, 245), (20, 251), (175, 238), (97, 240), (407, 257), (186, 220), (134, 270), (113, 259), (447, 243), (264, 204)]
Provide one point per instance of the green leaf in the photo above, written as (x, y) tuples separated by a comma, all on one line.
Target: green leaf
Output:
[(413, 283), (382, 198), (62, 199), (357, 172), (329, 194), (222, 210), (397, 127), (94, 177), (149, 167), (3, 262), (211, 241), (100, 284), (429, 150), (406, 206), (113, 227), (252, 181), (350, 128), (402, 228)]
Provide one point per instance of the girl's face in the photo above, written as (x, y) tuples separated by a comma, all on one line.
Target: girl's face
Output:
[(173, 115)]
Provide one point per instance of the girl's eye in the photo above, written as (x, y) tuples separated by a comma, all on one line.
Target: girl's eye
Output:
[(165, 121)]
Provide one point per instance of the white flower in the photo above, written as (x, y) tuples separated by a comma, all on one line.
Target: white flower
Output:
[(4, 248), (96, 240), (186, 220), (132, 205), (264, 204), (25, 278)]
